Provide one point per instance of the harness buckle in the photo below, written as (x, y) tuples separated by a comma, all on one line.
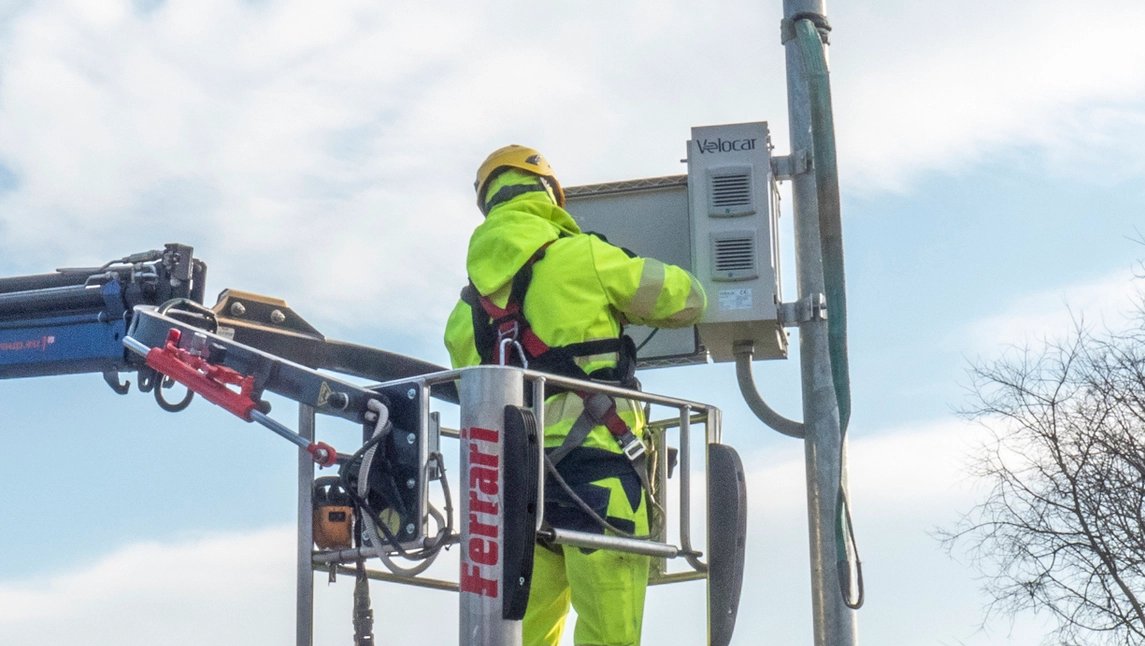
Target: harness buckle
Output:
[(507, 334), (632, 446), (508, 330)]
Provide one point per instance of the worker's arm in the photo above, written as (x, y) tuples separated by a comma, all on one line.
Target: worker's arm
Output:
[(645, 290), (459, 337)]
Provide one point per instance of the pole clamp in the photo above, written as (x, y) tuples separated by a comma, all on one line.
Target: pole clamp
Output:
[(787, 167), (809, 308), (787, 27)]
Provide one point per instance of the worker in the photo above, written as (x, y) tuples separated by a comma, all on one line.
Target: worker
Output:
[(543, 292)]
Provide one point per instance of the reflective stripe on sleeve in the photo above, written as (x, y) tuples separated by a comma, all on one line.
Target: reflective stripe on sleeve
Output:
[(693, 305), (651, 283)]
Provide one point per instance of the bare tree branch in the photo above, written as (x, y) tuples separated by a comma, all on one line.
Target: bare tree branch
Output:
[(1061, 529)]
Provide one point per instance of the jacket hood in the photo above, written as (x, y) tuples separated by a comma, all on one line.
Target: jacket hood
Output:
[(510, 234)]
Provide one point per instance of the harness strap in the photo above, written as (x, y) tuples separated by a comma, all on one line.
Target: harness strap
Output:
[(600, 410), (521, 282), (600, 346), (533, 343), (495, 328), (596, 408), (508, 322), (484, 335)]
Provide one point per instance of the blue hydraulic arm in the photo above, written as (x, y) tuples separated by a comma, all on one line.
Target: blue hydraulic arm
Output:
[(74, 320)]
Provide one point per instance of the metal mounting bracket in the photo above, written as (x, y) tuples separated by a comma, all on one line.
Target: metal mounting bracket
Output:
[(810, 308), (786, 167)]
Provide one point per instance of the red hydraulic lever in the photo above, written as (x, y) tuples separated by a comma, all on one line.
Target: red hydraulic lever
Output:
[(210, 381)]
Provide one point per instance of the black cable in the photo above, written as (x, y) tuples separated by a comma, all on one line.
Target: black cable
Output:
[(443, 536), (584, 506), (361, 502), (647, 339), (191, 313), (171, 407), (363, 616), (354, 463)]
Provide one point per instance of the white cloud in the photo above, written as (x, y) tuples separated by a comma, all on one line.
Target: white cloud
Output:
[(926, 85), (1052, 313), (225, 589), (276, 137), (325, 153)]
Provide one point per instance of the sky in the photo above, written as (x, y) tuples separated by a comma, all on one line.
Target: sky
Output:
[(991, 158)]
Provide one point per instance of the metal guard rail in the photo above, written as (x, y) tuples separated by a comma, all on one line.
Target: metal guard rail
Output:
[(689, 412)]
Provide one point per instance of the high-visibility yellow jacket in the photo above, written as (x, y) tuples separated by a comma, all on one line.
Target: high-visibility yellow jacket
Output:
[(583, 289)]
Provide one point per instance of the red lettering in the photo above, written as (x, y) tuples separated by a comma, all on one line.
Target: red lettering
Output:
[(483, 434), (483, 479), (41, 344), (481, 506), (483, 459), (472, 581), (481, 529), (483, 551)]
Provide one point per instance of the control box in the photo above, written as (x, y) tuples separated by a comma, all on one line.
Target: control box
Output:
[(718, 222), (734, 213)]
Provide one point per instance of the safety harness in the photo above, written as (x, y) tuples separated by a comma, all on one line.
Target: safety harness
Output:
[(499, 331)]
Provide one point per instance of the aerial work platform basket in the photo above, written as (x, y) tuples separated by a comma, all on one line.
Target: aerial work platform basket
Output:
[(501, 417)]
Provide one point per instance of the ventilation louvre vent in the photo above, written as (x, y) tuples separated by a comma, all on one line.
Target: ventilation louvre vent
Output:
[(733, 256), (730, 191)]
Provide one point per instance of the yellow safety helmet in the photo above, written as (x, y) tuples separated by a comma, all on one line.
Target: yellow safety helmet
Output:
[(514, 156)]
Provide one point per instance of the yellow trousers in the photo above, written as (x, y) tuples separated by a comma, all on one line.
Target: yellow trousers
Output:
[(606, 588)]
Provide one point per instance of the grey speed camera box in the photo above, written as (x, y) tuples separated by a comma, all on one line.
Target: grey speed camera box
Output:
[(735, 248), (718, 222)]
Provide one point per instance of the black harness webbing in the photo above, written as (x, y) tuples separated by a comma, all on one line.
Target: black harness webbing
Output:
[(499, 330)]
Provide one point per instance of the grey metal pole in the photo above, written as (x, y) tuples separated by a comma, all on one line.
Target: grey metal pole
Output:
[(834, 622), (304, 612), (485, 392)]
